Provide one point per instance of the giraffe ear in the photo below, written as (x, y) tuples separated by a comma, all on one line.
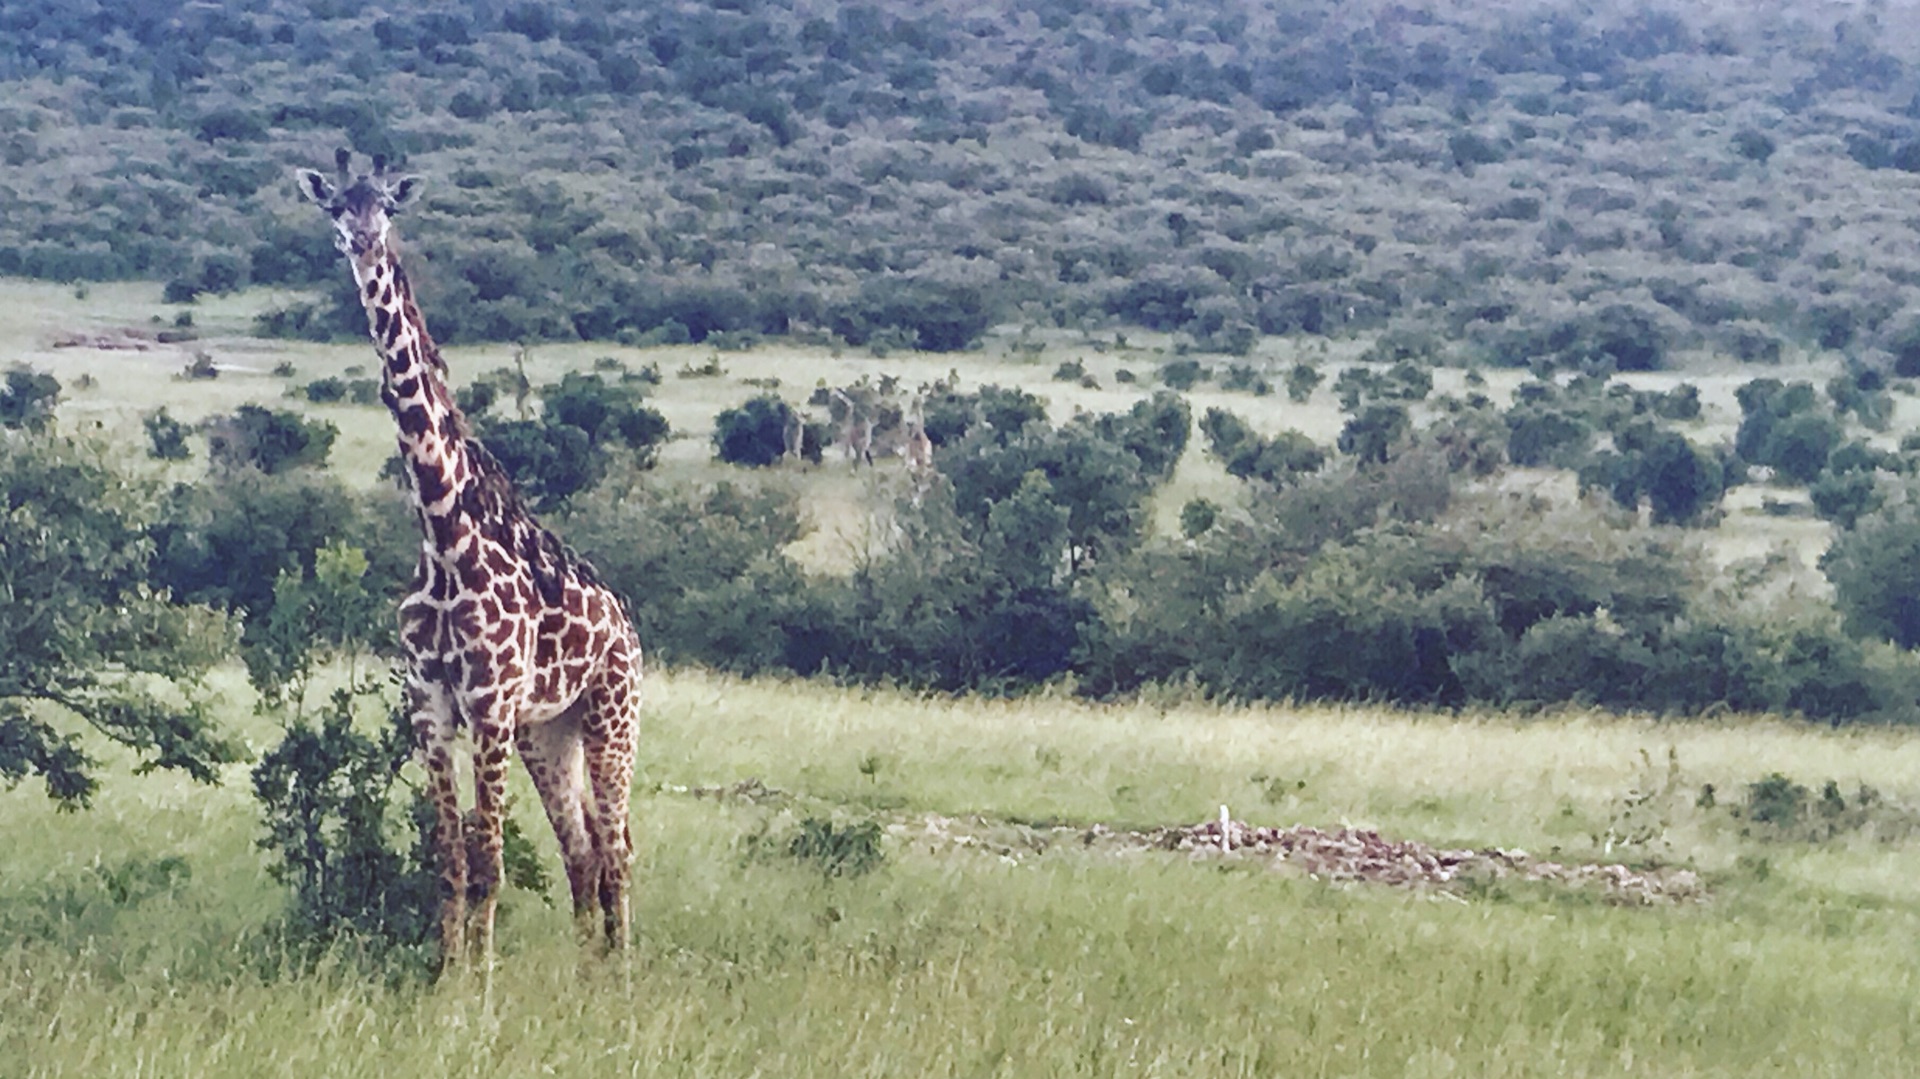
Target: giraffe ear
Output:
[(315, 187), (404, 190)]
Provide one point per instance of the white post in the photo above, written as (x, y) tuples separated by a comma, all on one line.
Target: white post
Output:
[(1226, 831)]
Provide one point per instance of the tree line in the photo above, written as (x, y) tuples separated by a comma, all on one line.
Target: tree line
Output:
[(1374, 569)]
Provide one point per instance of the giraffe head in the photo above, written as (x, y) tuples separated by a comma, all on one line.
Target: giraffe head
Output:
[(362, 207)]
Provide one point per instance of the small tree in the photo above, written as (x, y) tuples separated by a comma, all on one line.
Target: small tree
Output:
[(166, 436), (1302, 379), (606, 412), (329, 798), (1154, 430), (1875, 570), (329, 613), (1539, 434), (81, 629), (28, 398), (1753, 145), (1197, 517), (1005, 411), (1680, 481), (551, 462), (271, 440), (1375, 432), (1783, 427), (755, 434), (1099, 481), (1280, 460), (1027, 534)]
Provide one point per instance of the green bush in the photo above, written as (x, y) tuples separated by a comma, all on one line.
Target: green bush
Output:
[(1197, 516), (1302, 378), (755, 434), (1843, 496), (1093, 468), (166, 436), (28, 398), (1006, 412), (1154, 430), (550, 462), (958, 603), (271, 440), (226, 540), (1783, 427), (322, 391), (1753, 145), (1182, 375), (1680, 481), (606, 412), (1875, 571), (851, 850), (938, 315), (1280, 460), (1376, 433), (342, 836), (568, 449), (1776, 800)]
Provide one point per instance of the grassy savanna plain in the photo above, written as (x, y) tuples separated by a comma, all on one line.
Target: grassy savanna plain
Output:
[(1071, 961), (1000, 958)]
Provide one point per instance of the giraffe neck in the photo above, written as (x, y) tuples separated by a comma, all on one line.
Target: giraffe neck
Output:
[(413, 384)]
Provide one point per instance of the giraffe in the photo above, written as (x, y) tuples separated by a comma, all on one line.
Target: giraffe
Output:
[(507, 632), (794, 437), (917, 448), (856, 429)]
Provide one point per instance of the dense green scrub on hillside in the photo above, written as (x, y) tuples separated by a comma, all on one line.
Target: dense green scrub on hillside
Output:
[(1546, 181)]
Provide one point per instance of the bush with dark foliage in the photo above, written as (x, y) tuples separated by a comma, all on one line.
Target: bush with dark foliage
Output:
[(755, 434)]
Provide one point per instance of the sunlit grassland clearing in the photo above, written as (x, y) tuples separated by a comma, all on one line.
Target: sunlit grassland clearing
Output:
[(1072, 961), (130, 383)]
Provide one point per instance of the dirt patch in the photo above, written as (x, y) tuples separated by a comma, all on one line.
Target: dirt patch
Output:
[(1341, 854), (108, 340)]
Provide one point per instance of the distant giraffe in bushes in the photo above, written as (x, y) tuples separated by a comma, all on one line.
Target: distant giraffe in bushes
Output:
[(507, 632), (856, 429)]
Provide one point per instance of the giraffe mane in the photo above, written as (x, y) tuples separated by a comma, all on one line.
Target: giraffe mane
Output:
[(495, 501)]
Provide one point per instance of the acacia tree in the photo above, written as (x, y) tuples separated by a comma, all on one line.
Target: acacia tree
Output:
[(85, 640)]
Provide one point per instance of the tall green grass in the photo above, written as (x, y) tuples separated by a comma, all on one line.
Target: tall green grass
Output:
[(1075, 961)]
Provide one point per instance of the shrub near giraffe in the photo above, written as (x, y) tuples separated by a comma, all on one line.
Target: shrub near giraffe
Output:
[(506, 631)]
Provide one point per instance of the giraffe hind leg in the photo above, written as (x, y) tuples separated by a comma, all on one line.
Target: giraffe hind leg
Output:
[(610, 728), (555, 758)]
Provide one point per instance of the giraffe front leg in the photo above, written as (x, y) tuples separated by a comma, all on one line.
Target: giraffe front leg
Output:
[(485, 843), (433, 740)]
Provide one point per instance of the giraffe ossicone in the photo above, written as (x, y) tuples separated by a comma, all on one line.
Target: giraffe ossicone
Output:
[(507, 633)]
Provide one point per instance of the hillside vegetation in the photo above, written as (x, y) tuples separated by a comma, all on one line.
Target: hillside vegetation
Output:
[(1519, 182)]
